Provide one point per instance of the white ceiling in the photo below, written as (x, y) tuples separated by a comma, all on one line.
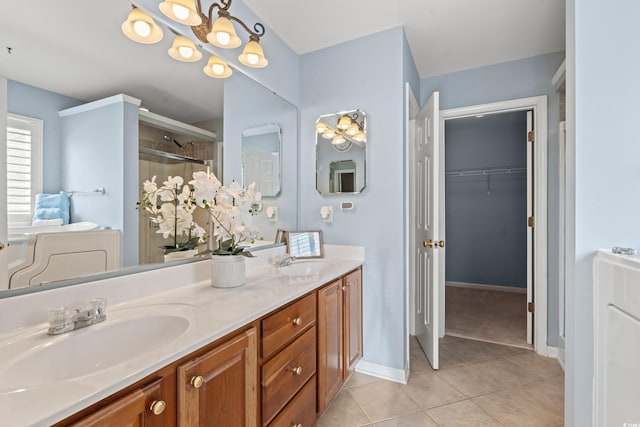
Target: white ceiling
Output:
[(444, 35), (57, 47)]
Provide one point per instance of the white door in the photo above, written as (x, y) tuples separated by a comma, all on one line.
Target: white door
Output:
[(426, 196), (4, 272), (261, 168), (530, 253)]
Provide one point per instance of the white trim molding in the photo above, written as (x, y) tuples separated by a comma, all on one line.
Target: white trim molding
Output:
[(539, 106), (382, 371)]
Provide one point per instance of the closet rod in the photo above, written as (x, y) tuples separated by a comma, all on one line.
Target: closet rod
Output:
[(491, 171), (172, 156)]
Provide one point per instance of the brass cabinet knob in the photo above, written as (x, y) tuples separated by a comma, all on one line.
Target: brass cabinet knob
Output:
[(297, 321), (441, 243), (296, 425), (344, 288), (157, 407), (197, 381), (1, 246), (297, 370), (427, 243), (349, 284)]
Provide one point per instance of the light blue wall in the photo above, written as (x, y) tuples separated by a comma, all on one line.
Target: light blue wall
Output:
[(606, 67), (100, 149), (41, 104), (246, 105), (346, 77), (511, 80), (482, 209)]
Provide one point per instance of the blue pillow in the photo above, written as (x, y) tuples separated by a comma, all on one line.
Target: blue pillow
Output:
[(52, 201)]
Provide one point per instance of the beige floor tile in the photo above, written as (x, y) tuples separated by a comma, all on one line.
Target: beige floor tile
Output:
[(357, 379), (419, 419), (548, 394), (428, 390), (383, 400), (545, 367), (459, 414), (418, 361), (344, 411), (517, 407), (413, 342), (488, 376)]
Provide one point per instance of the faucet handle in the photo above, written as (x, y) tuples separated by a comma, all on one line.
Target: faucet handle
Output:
[(98, 306), (59, 317)]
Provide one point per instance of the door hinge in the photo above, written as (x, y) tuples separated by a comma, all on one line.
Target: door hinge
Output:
[(531, 221), (531, 307), (531, 135)]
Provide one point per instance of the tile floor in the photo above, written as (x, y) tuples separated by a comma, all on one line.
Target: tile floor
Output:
[(479, 384)]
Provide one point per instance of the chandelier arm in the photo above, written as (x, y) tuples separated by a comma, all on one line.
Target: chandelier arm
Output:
[(213, 6), (258, 27)]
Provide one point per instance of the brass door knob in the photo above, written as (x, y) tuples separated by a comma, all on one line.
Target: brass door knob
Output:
[(428, 243), (157, 407), (197, 381), (297, 370), (1, 246), (297, 321), (441, 243)]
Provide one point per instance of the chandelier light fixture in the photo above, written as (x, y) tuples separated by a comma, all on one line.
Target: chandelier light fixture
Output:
[(220, 32), (348, 130)]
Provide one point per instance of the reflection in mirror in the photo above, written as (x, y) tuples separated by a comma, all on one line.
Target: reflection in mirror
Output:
[(341, 153), (261, 159), (305, 244)]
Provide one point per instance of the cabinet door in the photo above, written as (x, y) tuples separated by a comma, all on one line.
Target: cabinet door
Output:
[(141, 407), (352, 320), (219, 387), (330, 345)]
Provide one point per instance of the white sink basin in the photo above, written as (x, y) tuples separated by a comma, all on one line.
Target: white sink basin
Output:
[(40, 359)]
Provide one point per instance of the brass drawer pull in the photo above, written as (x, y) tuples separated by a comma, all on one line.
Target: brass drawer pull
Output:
[(350, 284), (157, 407), (296, 425), (197, 381), (297, 370), (297, 321)]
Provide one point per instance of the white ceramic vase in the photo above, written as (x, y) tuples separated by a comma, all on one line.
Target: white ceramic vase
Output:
[(228, 271), (174, 256)]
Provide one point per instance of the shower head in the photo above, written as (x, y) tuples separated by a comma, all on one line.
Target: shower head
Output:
[(169, 139)]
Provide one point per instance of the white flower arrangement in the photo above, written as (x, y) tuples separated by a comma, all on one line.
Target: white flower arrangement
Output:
[(172, 205)]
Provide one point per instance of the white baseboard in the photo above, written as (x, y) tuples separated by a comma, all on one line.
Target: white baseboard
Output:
[(381, 371), (499, 288), (552, 352)]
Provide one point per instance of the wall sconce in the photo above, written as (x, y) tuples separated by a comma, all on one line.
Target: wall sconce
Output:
[(348, 130), (220, 32)]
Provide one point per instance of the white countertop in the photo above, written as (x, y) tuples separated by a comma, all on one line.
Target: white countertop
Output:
[(212, 313)]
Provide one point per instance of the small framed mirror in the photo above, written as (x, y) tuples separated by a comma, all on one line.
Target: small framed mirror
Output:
[(341, 142), (305, 244), (261, 157)]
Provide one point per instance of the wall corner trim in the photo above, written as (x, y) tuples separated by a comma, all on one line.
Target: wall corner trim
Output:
[(382, 371), (100, 103)]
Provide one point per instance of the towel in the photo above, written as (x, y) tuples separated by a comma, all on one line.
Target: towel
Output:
[(52, 206), (47, 222)]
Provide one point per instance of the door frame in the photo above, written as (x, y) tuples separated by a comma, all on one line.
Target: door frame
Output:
[(539, 106)]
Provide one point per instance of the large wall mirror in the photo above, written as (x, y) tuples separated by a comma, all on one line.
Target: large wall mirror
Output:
[(261, 158), (341, 148), (105, 65)]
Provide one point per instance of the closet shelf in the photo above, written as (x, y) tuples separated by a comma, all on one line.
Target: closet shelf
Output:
[(488, 171)]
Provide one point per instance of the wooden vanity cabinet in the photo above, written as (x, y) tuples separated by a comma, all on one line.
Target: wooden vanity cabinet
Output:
[(142, 407), (339, 334), (219, 387)]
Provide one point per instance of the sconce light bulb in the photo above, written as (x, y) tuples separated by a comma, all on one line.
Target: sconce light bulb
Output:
[(328, 134), (252, 58), (185, 51), (180, 11), (142, 28), (321, 127), (338, 139), (218, 69), (352, 130), (223, 38)]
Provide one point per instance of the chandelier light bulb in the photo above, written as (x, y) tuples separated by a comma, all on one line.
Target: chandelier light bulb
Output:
[(217, 69), (344, 122), (328, 134), (143, 29), (223, 38), (252, 58), (180, 11), (223, 34), (321, 127), (359, 136), (338, 139), (352, 130), (185, 51)]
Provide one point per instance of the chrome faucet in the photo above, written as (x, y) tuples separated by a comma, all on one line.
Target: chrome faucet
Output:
[(61, 321), (283, 261)]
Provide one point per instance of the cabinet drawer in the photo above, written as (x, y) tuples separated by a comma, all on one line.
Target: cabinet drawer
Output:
[(286, 373), (281, 327), (301, 411)]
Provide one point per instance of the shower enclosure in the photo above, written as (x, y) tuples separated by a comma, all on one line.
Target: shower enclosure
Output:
[(163, 154)]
